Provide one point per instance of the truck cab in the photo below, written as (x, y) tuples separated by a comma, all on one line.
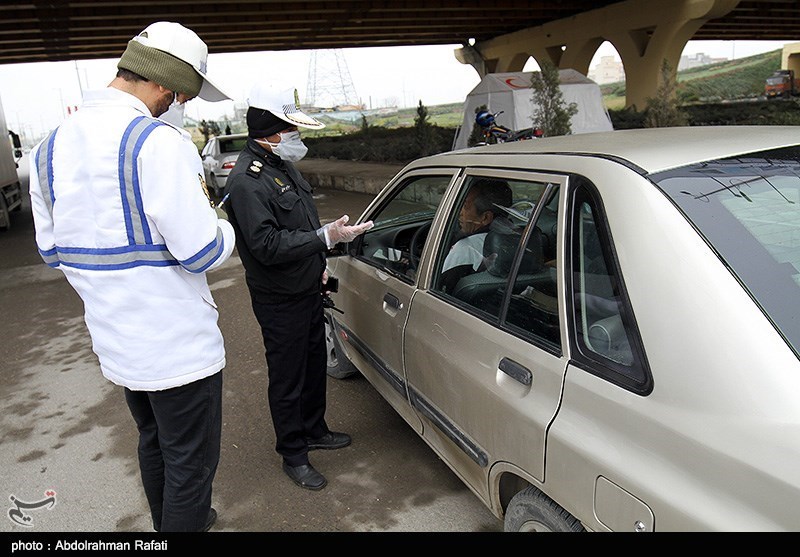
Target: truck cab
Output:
[(781, 84), (10, 187)]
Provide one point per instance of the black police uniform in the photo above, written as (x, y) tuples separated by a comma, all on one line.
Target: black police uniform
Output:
[(272, 211)]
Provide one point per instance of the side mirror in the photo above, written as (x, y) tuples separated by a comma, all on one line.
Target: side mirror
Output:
[(18, 153)]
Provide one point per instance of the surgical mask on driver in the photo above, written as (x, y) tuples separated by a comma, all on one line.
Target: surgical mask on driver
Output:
[(290, 148), (174, 114)]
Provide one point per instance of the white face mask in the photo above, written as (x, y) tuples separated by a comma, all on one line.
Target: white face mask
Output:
[(174, 114), (290, 148)]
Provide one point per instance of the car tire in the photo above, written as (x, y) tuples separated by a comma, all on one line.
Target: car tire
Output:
[(5, 217), (530, 510), (216, 191), (339, 367)]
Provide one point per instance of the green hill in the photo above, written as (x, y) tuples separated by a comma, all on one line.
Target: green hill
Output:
[(724, 81)]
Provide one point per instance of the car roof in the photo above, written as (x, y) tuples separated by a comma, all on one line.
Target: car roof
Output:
[(650, 149)]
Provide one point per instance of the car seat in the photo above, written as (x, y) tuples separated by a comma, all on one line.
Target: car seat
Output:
[(485, 289)]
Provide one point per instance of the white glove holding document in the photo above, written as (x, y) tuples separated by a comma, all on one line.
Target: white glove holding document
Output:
[(338, 231)]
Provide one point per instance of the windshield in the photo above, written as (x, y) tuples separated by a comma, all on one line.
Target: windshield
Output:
[(748, 209)]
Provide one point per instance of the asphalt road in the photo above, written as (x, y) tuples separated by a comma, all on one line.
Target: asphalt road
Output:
[(65, 429)]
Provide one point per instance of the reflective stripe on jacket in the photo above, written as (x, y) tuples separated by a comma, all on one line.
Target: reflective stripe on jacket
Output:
[(119, 206)]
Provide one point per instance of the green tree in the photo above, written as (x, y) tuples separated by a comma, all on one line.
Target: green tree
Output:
[(551, 113), (208, 129), (662, 110), (422, 130)]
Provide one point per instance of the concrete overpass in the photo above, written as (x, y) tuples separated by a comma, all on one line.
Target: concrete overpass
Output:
[(644, 32), (497, 35)]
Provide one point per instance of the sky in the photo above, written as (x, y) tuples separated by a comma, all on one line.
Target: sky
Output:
[(37, 96)]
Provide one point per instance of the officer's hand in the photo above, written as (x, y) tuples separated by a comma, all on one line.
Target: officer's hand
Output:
[(338, 231)]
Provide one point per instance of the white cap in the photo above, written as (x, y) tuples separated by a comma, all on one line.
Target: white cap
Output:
[(283, 103), (177, 40)]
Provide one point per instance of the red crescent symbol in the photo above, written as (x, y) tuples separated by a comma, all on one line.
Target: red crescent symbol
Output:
[(510, 79)]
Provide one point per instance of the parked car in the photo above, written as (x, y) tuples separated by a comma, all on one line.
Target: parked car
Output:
[(625, 357), (219, 157)]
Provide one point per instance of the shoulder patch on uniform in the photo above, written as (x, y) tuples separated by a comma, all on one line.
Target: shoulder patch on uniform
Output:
[(254, 169)]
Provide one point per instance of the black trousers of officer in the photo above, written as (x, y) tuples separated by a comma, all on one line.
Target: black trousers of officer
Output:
[(179, 445), (294, 339)]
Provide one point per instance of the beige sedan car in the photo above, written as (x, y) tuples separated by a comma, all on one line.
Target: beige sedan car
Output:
[(595, 332)]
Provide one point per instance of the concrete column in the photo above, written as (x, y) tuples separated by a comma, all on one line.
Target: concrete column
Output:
[(644, 32), (790, 58)]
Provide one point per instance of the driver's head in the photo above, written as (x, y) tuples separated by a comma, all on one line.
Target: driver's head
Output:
[(483, 202)]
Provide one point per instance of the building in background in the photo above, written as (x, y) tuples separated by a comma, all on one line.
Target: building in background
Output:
[(608, 70), (699, 59)]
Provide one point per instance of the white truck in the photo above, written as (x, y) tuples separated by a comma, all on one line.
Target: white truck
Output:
[(10, 187)]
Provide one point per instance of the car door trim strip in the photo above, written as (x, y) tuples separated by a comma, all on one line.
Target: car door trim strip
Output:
[(420, 404)]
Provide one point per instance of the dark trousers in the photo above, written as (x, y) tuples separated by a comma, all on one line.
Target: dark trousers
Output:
[(179, 445), (294, 339)]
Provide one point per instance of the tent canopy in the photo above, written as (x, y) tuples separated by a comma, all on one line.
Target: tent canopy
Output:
[(511, 93)]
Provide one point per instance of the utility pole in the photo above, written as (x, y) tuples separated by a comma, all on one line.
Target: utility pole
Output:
[(329, 82)]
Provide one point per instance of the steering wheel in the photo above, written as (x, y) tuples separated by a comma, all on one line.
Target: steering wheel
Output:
[(417, 243), (525, 208)]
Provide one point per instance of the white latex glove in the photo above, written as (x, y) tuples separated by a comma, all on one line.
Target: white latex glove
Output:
[(338, 231)]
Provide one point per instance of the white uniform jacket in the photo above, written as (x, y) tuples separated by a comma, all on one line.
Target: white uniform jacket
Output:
[(119, 206)]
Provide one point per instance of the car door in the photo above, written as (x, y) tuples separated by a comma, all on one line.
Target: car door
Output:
[(377, 282), (484, 359)]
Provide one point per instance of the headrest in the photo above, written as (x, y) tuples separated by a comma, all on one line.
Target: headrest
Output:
[(499, 248), (504, 243)]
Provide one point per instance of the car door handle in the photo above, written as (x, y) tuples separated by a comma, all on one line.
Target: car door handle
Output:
[(516, 371), (392, 301)]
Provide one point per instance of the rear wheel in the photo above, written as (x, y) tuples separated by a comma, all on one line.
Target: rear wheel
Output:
[(5, 218), (532, 511), (216, 190)]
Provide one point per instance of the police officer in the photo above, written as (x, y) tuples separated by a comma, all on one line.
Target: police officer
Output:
[(282, 246)]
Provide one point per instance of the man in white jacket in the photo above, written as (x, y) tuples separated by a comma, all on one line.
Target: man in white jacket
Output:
[(120, 206)]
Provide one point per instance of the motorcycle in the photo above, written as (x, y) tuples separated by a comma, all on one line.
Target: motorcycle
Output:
[(492, 132)]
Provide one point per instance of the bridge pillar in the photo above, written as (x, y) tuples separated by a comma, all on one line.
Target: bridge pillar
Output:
[(644, 32)]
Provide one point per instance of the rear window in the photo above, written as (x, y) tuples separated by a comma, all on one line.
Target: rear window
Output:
[(232, 145), (748, 210)]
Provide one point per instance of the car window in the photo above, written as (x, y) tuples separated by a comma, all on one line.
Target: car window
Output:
[(605, 332), (232, 145), (401, 226), (533, 306), (746, 209), (208, 148), (480, 255)]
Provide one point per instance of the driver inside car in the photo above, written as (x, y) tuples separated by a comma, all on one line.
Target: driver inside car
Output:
[(482, 209)]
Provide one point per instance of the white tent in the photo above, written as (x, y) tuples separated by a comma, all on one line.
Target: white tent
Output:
[(511, 93)]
